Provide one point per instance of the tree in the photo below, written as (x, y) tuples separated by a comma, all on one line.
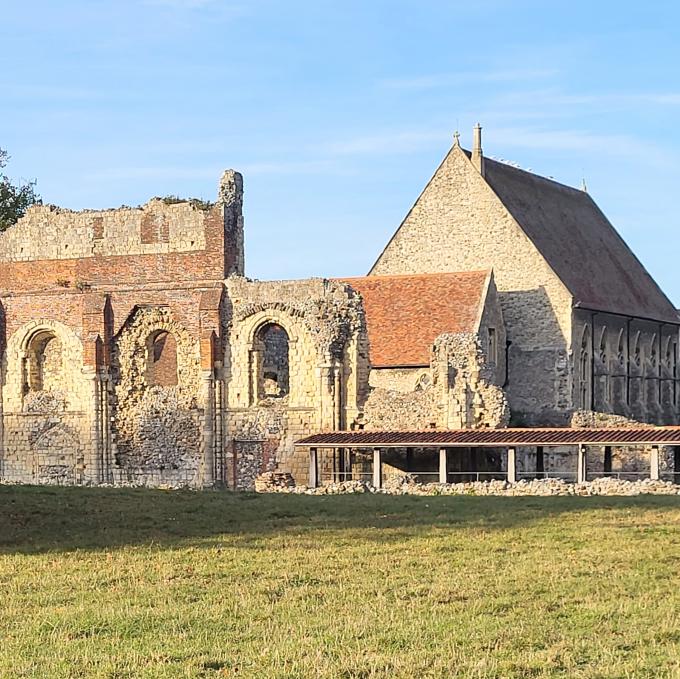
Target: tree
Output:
[(14, 199)]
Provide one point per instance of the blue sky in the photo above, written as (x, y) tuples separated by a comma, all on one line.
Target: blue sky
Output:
[(337, 113)]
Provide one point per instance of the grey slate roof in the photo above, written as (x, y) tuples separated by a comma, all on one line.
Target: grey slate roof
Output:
[(579, 243)]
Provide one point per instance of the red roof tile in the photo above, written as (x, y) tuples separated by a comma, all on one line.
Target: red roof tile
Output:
[(405, 314), (495, 437)]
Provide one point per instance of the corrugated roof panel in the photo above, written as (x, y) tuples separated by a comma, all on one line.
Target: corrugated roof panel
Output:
[(496, 437)]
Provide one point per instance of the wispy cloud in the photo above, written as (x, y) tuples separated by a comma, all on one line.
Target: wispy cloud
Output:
[(438, 80), (578, 141), (224, 7), (181, 4), (275, 167), (397, 141), (212, 171)]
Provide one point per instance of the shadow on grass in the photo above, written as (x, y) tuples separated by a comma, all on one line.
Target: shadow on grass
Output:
[(36, 519)]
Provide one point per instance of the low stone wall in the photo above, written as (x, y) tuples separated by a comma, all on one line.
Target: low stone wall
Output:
[(536, 487)]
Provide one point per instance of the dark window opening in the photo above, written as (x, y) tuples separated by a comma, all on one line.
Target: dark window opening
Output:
[(540, 462), (584, 370), (161, 367), (607, 460), (44, 370), (274, 373)]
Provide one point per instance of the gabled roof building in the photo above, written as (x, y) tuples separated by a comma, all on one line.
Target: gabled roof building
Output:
[(587, 326)]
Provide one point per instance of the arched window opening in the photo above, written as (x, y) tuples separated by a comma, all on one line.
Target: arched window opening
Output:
[(584, 370), (653, 352), (668, 354), (161, 361), (44, 370), (273, 374), (621, 352), (602, 355), (637, 357), (423, 383)]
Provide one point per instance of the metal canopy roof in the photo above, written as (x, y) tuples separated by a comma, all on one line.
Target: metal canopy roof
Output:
[(558, 436)]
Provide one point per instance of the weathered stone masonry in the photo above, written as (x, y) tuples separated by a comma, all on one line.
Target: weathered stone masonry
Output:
[(85, 306), (135, 350)]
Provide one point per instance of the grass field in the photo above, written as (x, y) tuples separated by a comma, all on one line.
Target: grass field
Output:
[(135, 583)]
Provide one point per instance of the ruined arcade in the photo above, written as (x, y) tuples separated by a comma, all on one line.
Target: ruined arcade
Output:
[(135, 350)]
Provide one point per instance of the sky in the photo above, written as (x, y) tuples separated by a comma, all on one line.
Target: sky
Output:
[(338, 113)]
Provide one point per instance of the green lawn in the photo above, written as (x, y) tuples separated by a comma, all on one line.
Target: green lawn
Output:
[(138, 583)]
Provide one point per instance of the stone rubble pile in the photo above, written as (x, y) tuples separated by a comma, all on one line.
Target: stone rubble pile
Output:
[(272, 482), (534, 487)]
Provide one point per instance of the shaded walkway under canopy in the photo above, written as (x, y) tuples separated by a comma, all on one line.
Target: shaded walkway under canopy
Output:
[(342, 443)]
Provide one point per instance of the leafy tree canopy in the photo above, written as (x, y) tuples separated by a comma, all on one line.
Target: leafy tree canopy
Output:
[(14, 199)]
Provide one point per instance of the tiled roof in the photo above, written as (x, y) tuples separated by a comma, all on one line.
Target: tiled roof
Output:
[(579, 243), (496, 437), (405, 314)]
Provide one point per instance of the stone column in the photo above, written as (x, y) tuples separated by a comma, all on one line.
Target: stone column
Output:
[(512, 465), (313, 468), (654, 473), (581, 465), (377, 468), (443, 465), (208, 438), (92, 470)]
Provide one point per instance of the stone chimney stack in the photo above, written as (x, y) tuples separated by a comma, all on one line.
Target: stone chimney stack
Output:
[(477, 154)]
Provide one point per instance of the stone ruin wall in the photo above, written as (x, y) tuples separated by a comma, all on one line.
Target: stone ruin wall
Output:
[(91, 284), (94, 417), (157, 427), (48, 232), (327, 363), (47, 421)]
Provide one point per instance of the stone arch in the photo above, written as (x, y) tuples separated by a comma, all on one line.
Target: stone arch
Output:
[(272, 344), (272, 316), (132, 343), (157, 416), (290, 340), (43, 368)]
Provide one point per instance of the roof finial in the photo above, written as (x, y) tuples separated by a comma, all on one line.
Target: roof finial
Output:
[(456, 138), (583, 185)]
